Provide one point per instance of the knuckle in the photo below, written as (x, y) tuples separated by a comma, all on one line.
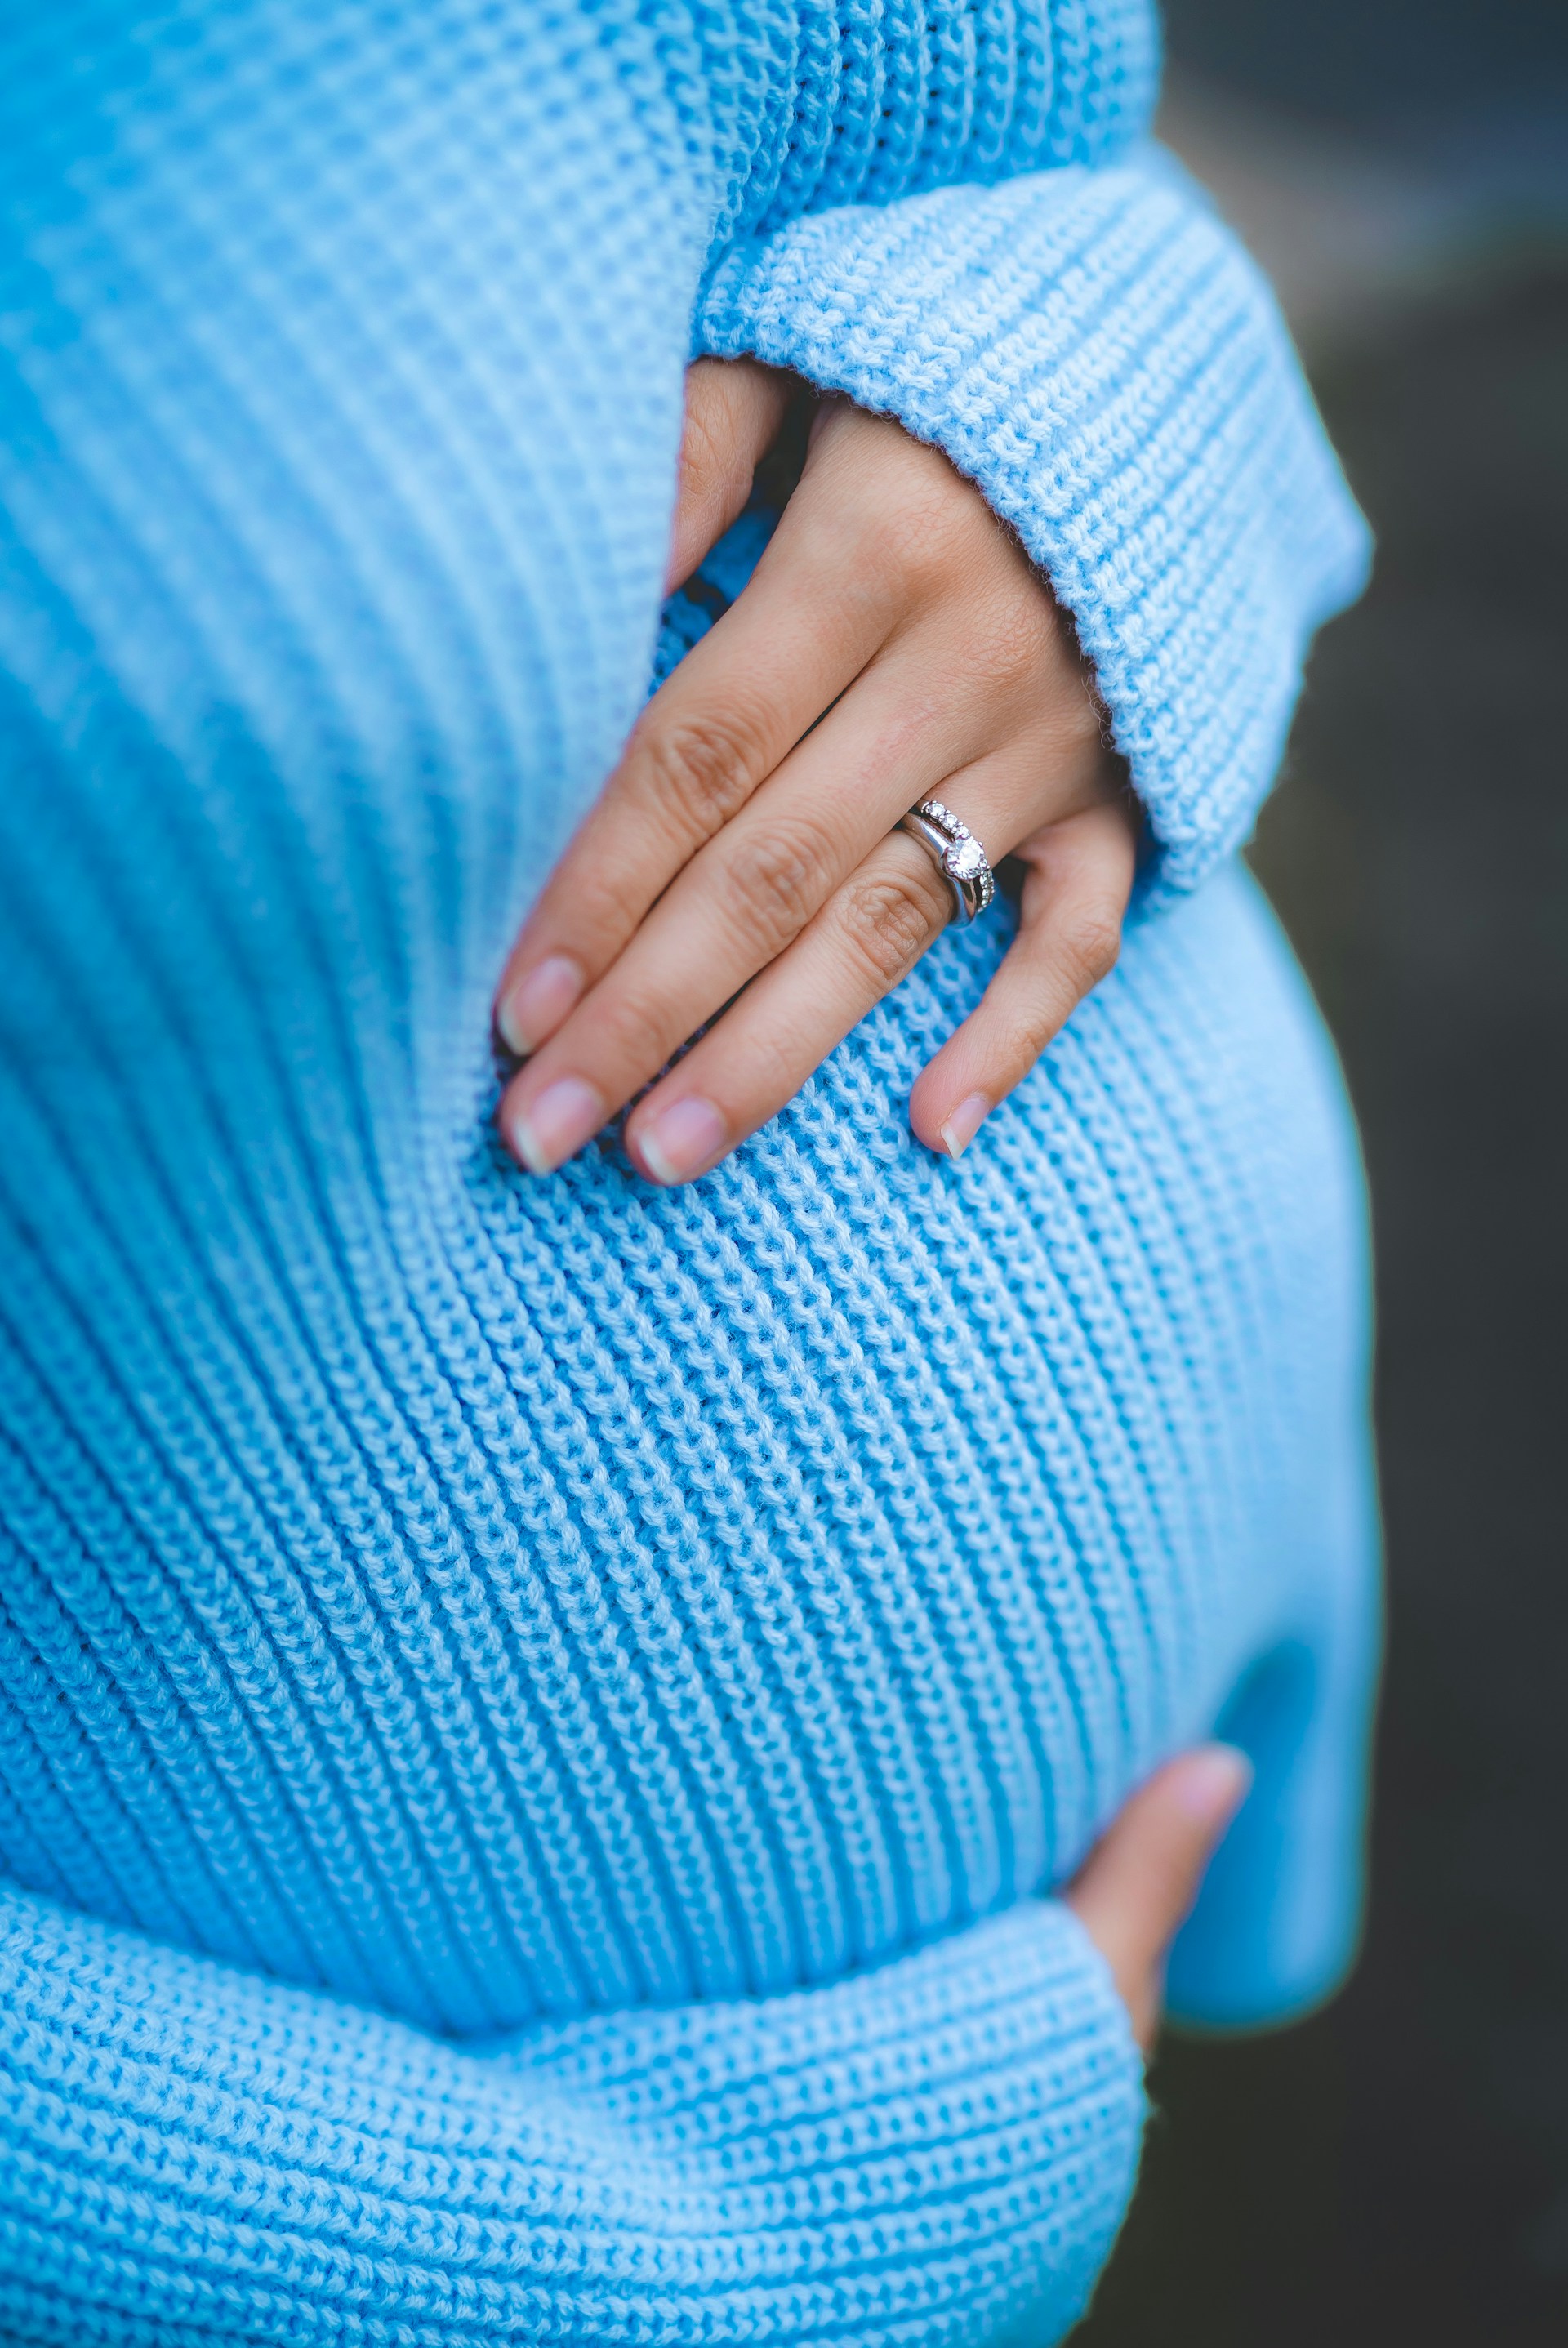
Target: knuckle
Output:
[(636, 1032), (1089, 943), (930, 525), (776, 877), (700, 478), (1019, 643), (1019, 1042), (696, 768), (889, 919), (706, 467), (777, 1063), (930, 536)]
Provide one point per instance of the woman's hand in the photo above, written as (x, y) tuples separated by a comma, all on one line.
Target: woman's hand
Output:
[(1140, 1880), (893, 644)]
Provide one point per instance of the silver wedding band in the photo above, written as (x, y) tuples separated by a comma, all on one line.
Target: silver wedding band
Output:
[(959, 856)]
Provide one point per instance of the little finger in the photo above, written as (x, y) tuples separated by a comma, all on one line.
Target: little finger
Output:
[(1079, 878)]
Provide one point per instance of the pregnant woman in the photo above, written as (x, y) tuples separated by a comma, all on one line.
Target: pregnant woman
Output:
[(542, 1704)]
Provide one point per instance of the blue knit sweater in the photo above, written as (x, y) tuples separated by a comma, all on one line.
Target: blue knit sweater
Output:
[(539, 1719)]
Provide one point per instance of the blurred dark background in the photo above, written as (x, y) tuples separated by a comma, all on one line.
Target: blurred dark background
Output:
[(1396, 2170)]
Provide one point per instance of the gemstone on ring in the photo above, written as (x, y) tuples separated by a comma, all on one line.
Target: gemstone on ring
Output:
[(958, 854)]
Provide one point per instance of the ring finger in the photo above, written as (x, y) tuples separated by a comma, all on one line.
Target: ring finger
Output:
[(863, 941)]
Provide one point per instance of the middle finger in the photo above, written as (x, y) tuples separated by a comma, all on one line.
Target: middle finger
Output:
[(868, 937)]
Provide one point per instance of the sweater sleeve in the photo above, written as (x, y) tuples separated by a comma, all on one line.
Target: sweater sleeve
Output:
[(190, 2153), (1095, 350)]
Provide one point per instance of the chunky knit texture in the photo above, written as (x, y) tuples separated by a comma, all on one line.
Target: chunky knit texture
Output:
[(538, 1720), (1096, 351)]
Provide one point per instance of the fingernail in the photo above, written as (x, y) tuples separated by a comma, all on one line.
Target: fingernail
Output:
[(555, 1124), (1214, 1783), (682, 1139), (532, 1011), (965, 1123)]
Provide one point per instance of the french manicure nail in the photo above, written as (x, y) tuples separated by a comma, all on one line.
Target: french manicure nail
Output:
[(529, 1014), (682, 1139), (965, 1123), (555, 1124)]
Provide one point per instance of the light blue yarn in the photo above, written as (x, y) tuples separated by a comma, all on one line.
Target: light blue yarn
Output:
[(538, 1721)]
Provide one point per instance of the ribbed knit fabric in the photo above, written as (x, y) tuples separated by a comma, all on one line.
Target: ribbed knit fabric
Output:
[(538, 1720), (1096, 351)]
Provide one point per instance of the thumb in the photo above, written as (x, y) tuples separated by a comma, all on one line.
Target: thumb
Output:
[(1139, 1882), (734, 409)]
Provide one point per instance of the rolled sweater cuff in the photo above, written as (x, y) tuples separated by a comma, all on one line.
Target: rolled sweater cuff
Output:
[(926, 2153), (1093, 349)]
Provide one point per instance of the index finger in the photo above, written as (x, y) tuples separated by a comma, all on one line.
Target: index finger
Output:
[(801, 633)]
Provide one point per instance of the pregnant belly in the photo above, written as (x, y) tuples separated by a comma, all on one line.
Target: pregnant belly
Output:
[(891, 1516), (517, 1596)]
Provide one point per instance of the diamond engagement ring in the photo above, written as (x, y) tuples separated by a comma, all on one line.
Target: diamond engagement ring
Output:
[(960, 859)]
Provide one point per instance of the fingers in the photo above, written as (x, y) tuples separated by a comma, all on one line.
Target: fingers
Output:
[(880, 537), (807, 887), (862, 941), (758, 681), (1142, 1878), (866, 935), (1079, 878), (742, 904), (889, 599), (734, 409)]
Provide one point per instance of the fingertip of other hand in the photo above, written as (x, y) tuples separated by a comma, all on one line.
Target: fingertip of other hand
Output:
[(1212, 1783)]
